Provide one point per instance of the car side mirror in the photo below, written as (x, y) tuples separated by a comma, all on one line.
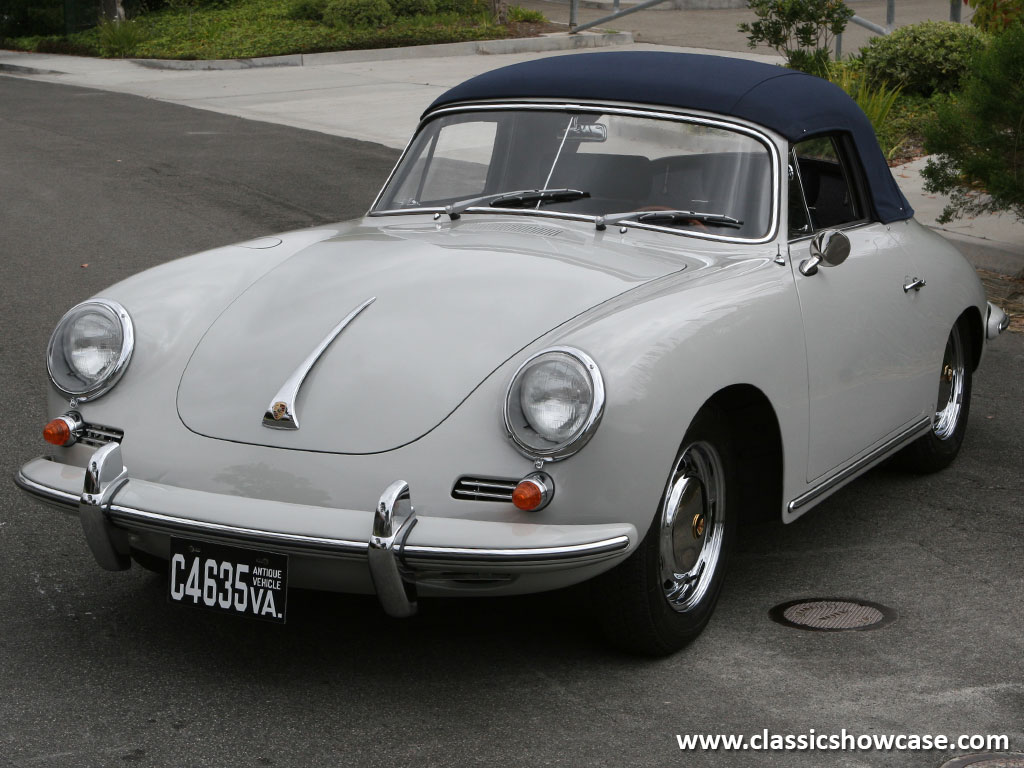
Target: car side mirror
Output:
[(828, 249)]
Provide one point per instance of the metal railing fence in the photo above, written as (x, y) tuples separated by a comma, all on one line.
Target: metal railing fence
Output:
[(955, 8)]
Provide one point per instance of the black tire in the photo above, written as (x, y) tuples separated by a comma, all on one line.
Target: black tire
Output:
[(150, 562), (937, 449), (647, 605)]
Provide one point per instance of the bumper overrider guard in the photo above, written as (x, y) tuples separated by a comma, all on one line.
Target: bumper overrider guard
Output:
[(396, 561), (392, 523)]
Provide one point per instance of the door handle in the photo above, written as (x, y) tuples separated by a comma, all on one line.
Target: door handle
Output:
[(913, 284)]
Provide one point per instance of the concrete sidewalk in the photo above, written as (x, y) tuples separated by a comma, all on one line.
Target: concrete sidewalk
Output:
[(378, 96)]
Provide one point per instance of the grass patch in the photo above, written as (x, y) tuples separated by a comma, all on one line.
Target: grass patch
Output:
[(254, 28), (120, 38), (518, 13)]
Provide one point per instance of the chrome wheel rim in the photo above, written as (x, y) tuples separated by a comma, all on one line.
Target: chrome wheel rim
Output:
[(692, 526), (949, 405)]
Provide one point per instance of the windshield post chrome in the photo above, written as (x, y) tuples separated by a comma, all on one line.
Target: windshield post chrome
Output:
[(282, 413)]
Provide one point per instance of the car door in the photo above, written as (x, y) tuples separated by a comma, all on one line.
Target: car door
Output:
[(860, 326)]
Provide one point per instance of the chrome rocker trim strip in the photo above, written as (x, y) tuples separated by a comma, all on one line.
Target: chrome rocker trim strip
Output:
[(860, 465)]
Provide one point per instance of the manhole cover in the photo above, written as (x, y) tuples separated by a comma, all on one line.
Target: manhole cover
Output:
[(988, 760), (832, 614)]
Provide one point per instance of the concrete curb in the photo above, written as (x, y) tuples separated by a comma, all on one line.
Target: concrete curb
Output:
[(559, 41), (17, 69), (985, 253)]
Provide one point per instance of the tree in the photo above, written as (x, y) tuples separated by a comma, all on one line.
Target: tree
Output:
[(978, 135), (801, 30), (112, 10), (996, 15)]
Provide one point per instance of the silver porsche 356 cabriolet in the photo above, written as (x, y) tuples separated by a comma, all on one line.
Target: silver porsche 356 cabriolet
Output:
[(606, 307)]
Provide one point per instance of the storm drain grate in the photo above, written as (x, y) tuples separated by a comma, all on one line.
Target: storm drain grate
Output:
[(832, 614), (988, 760)]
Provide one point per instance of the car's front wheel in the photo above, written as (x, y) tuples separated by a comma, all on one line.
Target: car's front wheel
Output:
[(937, 449), (661, 598)]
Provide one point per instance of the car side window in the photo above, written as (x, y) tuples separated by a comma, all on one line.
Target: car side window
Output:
[(825, 176)]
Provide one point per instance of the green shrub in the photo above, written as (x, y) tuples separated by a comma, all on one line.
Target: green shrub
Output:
[(814, 62), (119, 39), (404, 8), (522, 15), (72, 46), (875, 99), (372, 14), (800, 30), (923, 58), (31, 17), (251, 28), (135, 8), (978, 135), (307, 10), (463, 7)]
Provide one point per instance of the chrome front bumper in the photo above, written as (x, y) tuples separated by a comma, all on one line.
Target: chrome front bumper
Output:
[(401, 550), (996, 322)]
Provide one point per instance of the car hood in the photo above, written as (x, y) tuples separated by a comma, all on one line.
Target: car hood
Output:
[(449, 308)]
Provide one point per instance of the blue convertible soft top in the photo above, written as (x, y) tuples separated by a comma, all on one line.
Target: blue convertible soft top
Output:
[(794, 104)]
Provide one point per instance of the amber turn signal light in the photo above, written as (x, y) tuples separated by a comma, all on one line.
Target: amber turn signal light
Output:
[(527, 495), (533, 492), (63, 430), (57, 432)]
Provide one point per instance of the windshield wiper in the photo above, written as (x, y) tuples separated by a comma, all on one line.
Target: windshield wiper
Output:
[(648, 217), (518, 199)]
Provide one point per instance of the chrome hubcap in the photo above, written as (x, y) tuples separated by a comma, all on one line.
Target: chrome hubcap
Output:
[(951, 389), (692, 518)]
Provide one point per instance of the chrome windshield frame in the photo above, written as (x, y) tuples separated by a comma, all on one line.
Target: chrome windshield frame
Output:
[(643, 112)]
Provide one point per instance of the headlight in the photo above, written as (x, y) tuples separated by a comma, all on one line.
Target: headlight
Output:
[(90, 348), (554, 403)]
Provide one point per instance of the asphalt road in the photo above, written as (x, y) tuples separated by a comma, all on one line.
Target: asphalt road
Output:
[(96, 669)]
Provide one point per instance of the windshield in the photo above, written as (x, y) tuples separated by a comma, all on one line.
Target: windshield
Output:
[(589, 163)]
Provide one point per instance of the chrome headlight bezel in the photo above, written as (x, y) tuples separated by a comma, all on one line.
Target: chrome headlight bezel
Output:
[(113, 373), (518, 427)]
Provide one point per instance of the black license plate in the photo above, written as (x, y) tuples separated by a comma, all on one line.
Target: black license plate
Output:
[(245, 582)]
